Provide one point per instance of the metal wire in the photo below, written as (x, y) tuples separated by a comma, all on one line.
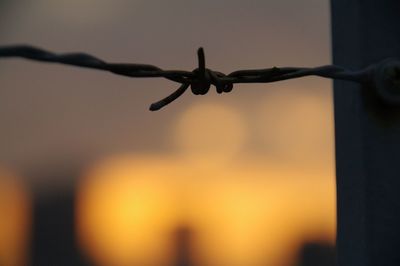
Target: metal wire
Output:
[(200, 79)]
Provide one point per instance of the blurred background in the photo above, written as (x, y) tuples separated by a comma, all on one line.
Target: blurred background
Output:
[(89, 176)]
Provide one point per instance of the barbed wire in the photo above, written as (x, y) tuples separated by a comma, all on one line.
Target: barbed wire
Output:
[(199, 80)]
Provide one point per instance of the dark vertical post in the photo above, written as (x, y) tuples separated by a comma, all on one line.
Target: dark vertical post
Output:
[(367, 137), (183, 247), (53, 233)]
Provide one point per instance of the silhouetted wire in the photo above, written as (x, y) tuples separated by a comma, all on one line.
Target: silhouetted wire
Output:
[(200, 79)]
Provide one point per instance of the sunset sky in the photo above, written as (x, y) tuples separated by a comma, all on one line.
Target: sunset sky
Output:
[(251, 173)]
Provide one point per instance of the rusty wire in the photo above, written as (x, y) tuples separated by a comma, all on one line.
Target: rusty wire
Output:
[(200, 79)]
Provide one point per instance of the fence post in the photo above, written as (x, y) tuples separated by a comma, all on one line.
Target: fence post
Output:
[(367, 137)]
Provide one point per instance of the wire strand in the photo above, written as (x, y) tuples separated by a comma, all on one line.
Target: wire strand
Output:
[(199, 79)]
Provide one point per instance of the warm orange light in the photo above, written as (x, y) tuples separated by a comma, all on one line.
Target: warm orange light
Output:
[(256, 218), (125, 211), (15, 220), (243, 210), (128, 208)]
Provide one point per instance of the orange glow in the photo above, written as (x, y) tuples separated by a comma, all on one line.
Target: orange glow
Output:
[(243, 210), (123, 208), (128, 208), (14, 223)]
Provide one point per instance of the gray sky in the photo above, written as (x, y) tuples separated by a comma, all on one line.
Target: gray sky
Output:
[(52, 112)]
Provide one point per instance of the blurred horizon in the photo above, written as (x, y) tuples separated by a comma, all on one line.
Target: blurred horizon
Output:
[(239, 179)]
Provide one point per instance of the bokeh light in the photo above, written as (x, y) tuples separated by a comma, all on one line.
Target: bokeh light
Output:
[(123, 211), (128, 208), (241, 209), (15, 220)]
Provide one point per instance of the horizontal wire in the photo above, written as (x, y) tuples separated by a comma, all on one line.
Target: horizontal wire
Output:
[(199, 79)]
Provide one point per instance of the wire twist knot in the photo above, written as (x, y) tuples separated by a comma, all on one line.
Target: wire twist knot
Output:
[(385, 75), (204, 78)]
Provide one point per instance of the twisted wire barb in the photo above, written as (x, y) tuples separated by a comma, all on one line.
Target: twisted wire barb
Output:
[(200, 79)]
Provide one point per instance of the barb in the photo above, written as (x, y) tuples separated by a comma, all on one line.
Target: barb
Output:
[(199, 80)]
